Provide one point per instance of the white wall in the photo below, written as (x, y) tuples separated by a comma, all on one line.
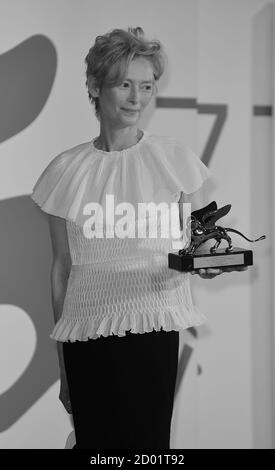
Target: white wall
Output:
[(232, 413), (261, 203)]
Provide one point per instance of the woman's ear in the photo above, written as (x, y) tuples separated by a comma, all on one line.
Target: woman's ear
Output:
[(93, 89)]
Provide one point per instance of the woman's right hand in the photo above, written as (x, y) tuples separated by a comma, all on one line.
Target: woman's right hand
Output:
[(64, 395), (209, 273)]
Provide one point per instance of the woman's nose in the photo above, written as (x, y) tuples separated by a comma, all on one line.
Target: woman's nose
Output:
[(134, 95)]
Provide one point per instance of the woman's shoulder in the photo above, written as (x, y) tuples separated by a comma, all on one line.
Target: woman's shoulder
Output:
[(173, 147), (65, 155), (64, 166), (180, 162), (59, 188)]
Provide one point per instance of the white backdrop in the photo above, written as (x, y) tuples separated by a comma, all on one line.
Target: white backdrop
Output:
[(235, 346), (209, 49)]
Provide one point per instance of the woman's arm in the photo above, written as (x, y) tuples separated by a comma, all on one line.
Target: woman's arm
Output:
[(60, 271), (61, 267), (196, 199)]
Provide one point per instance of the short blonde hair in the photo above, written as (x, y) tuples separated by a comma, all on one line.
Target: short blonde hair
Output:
[(109, 57)]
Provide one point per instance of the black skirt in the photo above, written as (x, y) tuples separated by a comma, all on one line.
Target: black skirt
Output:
[(122, 389)]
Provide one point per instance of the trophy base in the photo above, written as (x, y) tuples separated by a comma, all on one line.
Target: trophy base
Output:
[(205, 259)]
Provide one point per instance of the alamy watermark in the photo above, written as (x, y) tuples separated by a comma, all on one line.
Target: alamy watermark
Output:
[(122, 220)]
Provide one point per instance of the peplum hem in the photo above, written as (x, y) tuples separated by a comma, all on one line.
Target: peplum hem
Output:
[(69, 329)]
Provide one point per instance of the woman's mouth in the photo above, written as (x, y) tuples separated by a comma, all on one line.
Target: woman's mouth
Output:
[(131, 111)]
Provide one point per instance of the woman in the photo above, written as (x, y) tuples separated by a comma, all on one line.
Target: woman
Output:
[(117, 306)]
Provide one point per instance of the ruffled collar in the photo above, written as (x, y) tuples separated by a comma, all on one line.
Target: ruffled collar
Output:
[(156, 169)]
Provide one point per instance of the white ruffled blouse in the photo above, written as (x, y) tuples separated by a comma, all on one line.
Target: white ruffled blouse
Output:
[(118, 284)]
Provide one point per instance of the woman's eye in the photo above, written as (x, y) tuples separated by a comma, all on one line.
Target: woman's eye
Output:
[(144, 87), (147, 87)]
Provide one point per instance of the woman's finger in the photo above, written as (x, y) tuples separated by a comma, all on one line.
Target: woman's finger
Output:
[(68, 407), (230, 269), (209, 273)]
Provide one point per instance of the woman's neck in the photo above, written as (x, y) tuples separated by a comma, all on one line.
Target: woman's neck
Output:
[(117, 139)]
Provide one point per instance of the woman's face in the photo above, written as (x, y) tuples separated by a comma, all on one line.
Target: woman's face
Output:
[(122, 105)]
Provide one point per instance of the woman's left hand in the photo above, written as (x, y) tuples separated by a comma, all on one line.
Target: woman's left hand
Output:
[(209, 273)]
